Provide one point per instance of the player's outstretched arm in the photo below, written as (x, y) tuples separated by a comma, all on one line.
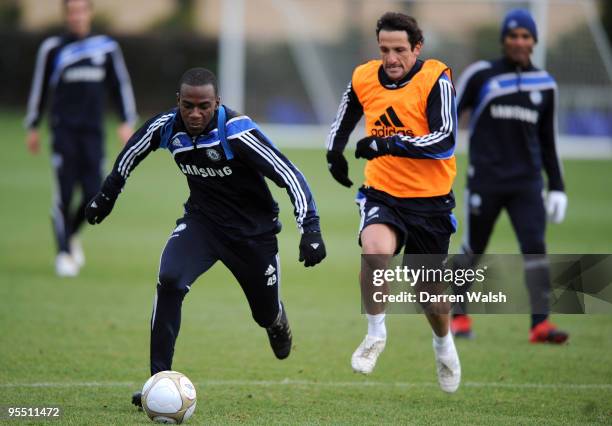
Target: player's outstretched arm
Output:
[(103, 202), (254, 148), (145, 140)]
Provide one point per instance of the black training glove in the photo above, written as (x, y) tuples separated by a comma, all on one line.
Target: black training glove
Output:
[(371, 147), (338, 167), (312, 248), (99, 207)]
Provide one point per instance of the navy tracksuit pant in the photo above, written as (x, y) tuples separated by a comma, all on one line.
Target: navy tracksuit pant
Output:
[(525, 208), (192, 248), (78, 162)]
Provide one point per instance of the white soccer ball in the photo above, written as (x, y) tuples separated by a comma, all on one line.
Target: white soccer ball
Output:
[(169, 397)]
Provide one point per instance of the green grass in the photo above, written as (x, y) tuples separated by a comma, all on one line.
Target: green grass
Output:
[(87, 338)]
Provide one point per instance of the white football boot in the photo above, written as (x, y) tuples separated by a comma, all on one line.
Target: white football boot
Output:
[(65, 266), (76, 251), (365, 356), (448, 367)]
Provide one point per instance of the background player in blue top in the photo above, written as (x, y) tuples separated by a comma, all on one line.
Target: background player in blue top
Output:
[(76, 70), (512, 138), (230, 214)]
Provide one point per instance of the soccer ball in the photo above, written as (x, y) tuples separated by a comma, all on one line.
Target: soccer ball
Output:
[(169, 397)]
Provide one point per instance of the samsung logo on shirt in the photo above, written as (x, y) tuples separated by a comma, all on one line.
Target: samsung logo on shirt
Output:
[(514, 112), (205, 171), (84, 74)]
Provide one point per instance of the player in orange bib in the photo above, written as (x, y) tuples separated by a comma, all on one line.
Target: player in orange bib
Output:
[(406, 201)]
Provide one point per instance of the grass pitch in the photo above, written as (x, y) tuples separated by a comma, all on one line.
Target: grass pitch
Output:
[(82, 344)]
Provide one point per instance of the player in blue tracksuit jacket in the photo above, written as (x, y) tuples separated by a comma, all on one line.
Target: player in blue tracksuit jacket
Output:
[(230, 214), (512, 138), (76, 70)]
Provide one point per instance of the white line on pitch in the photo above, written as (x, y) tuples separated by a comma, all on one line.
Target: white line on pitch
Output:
[(289, 382)]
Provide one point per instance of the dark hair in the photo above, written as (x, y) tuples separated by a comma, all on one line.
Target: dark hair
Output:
[(394, 21), (198, 77)]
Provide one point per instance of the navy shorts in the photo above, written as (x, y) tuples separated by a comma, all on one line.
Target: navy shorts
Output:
[(196, 244), (417, 233)]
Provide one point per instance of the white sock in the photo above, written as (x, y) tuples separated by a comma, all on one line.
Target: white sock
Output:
[(444, 342), (376, 326)]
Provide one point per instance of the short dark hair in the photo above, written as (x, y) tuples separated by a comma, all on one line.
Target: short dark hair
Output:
[(198, 77), (394, 21)]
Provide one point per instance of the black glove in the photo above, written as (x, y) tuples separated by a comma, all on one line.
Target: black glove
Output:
[(371, 147), (338, 167), (312, 248), (99, 207)]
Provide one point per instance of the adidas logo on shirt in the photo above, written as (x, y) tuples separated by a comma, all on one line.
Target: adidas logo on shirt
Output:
[(388, 117), (390, 124)]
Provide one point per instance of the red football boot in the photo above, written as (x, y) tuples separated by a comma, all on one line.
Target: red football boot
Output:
[(547, 332), (461, 326)]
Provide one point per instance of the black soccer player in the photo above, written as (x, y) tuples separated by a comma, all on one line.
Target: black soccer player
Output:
[(512, 138), (230, 214), (76, 70)]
